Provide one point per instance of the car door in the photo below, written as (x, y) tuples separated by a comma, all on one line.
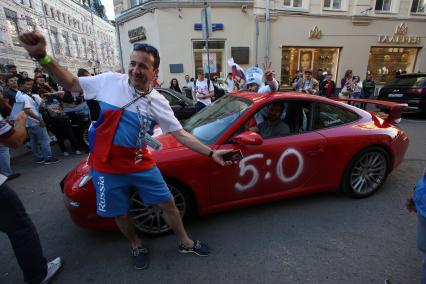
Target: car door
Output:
[(277, 166)]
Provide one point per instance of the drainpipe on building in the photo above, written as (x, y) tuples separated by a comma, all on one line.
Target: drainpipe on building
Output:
[(257, 41), (267, 33), (117, 31)]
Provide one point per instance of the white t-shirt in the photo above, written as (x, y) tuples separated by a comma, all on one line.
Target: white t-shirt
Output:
[(113, 91), (33, 104), (200, 88), (230, 85)]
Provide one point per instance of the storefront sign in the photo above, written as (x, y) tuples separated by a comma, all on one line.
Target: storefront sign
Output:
[(315, 33), (137, 34), (400, 36), (215, 26)]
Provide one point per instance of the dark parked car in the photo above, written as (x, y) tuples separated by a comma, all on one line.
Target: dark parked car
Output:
[(407, 88), (181, 105)]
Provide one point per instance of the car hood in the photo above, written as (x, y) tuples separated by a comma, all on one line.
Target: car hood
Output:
[(168, 142)]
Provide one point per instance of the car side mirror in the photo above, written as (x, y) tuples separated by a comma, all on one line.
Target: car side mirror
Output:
[(248, 138)]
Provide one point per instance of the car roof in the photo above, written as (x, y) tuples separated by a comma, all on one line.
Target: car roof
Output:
[(255, 97), (177, 94)]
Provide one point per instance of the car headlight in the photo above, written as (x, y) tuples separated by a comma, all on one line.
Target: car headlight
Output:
[(84, 180)]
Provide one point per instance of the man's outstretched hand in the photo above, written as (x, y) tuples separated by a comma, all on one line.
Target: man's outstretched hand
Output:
[(35, 43), (218, 157)]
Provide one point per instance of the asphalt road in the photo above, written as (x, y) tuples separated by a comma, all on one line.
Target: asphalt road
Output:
[(325, 238)]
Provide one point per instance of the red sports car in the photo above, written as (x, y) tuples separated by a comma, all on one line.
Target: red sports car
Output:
[(327, 145)]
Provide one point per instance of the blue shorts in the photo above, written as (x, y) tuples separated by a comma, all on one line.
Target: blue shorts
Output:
[(113, 190)]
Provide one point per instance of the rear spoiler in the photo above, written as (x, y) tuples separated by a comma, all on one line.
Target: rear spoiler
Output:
[(394, 110)]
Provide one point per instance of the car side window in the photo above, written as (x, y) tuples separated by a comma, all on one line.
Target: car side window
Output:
[(172, 99), (295, 118), (327, 115)]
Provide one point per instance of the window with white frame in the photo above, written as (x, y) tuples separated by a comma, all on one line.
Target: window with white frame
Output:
[(383, 5), (293, 3), (12, 25), (418, 6), (333, 4)]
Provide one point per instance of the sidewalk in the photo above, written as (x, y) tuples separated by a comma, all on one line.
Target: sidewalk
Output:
[(21, 152)]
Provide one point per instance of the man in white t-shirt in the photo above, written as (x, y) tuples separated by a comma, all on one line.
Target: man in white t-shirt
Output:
[(230, 83), (119, 156), (202, 91), (39, 138)]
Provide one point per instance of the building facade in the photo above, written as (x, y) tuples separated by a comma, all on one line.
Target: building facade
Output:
[(77, 33), (379, 36)]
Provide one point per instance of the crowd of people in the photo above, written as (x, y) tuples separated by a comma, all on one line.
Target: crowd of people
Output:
[(350, 86), (119, 157), (43, 102)]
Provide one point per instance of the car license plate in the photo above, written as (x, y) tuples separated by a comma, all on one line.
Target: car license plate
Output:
[(395, 95)]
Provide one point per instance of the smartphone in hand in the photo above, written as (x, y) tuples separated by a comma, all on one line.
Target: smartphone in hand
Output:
[(233, 156)]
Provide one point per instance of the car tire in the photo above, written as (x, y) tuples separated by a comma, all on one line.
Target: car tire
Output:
[(148, 218), (366, 172)]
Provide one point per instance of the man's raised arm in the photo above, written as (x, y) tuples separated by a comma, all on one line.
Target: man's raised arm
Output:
[(35, 43)]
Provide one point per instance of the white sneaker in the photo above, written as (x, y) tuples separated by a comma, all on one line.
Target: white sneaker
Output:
[(77, 152), (66, 154), (52, 268)]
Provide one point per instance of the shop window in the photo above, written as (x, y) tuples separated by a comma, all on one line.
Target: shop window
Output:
[(30, 23), (216, 57), (92, 50), (303, 58), (418, 6), (333, 4), (12, 25), (383, 5), (293, 3), (55, 40), (84, 49), (75, 45), (385, 62), (66, 44)]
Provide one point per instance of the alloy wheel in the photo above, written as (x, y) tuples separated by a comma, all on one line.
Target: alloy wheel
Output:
[(368, 173), (149, 218)]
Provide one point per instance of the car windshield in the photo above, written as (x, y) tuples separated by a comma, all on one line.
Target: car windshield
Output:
[(408, 82), (209, 124)]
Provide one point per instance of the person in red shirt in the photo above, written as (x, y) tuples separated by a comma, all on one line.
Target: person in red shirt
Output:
[(327, 86)]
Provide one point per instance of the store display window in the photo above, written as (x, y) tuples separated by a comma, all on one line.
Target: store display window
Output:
[(303, 58), (385, 62), (216, 57)]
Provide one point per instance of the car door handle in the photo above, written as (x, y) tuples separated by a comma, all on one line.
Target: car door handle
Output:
[(316, 151)]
